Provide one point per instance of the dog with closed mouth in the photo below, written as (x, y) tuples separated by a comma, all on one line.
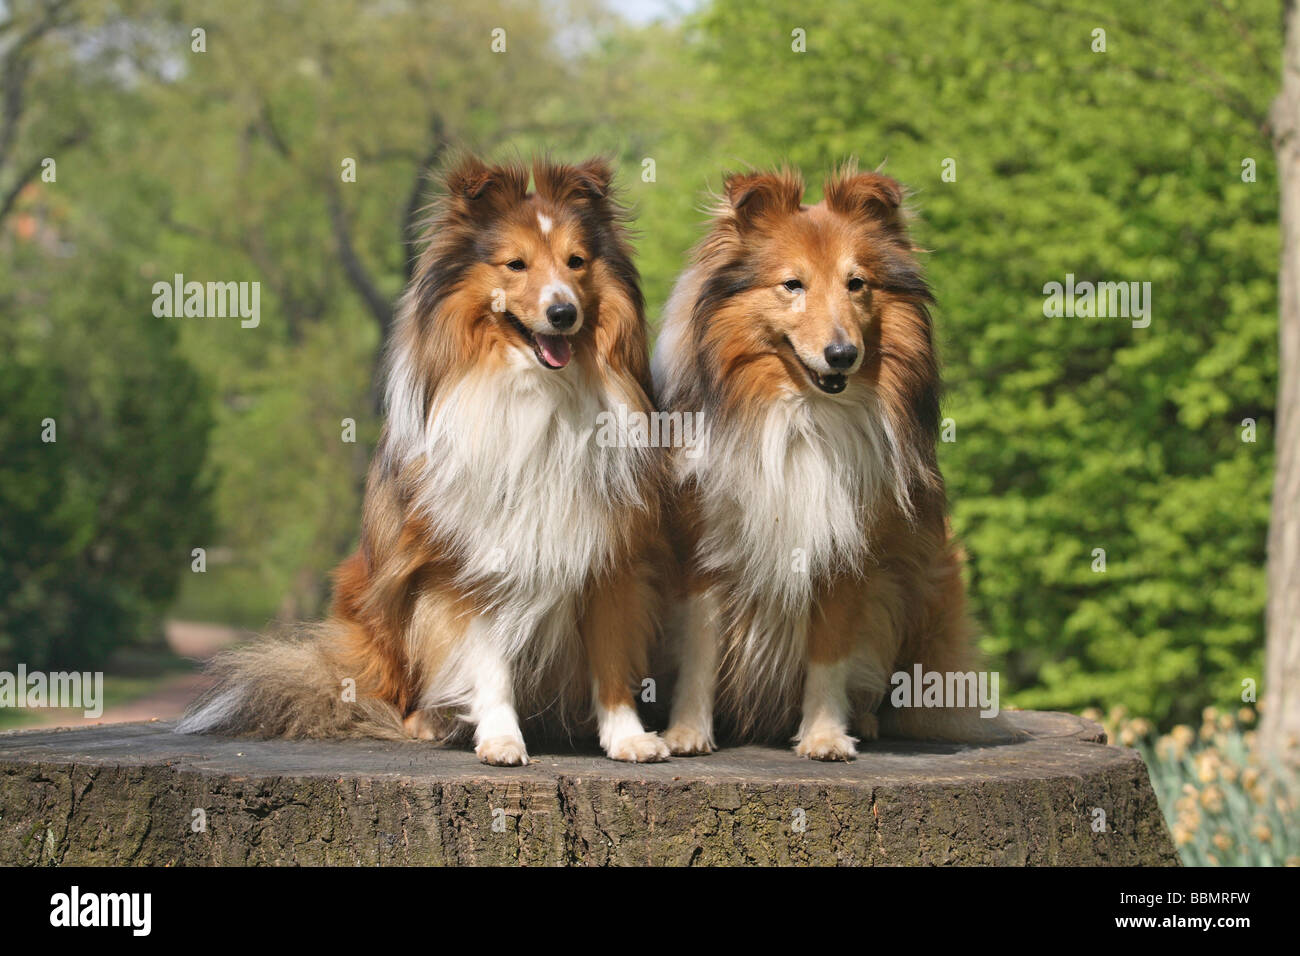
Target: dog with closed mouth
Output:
[(509, 565), (812, 530)]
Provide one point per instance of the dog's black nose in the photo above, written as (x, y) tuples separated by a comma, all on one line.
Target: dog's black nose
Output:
[(841, 355), (563, 315)]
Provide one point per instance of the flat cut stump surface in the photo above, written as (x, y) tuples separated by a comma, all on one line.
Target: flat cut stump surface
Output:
[(128, 794)]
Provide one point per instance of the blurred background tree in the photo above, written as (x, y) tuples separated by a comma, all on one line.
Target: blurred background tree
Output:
[(104, 434), (1071, 434)]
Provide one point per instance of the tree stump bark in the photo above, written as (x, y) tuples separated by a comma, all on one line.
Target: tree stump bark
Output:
[(135, 794)]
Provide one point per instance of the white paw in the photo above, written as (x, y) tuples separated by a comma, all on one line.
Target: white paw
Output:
[(827, 745), (683, 740), (639, 748), (502, 751)]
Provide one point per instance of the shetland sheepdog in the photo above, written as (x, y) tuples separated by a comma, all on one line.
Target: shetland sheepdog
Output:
[(509, 565), (812, 528)]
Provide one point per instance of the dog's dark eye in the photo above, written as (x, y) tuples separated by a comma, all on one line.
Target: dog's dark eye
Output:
[(855, 284), (516, 265), (576, 262), (794, 285)]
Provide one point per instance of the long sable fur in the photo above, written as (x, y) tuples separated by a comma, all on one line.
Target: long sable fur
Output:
[(902, 569)]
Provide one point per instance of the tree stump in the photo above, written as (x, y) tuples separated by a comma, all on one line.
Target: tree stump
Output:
[(139, 794)]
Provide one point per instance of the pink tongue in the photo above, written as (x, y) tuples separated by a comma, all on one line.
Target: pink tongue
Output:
[(556, 350)]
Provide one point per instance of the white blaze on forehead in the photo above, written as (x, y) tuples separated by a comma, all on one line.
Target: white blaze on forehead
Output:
[(545, 222)]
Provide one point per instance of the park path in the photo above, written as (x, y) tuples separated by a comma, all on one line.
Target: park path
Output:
[(191, 639)]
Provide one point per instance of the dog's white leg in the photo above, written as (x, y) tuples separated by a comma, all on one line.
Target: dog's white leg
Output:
[(690, 729), (497, 737), (617, 626), (622, 735), (823, 733)]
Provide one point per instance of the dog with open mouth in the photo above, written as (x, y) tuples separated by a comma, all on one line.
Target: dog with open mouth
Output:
[(509, 569), (812, 530)]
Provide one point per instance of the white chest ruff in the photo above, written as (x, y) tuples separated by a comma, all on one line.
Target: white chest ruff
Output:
[(790, 504), (513, 477)]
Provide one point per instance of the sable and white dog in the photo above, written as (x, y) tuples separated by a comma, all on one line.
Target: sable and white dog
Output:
[(509, 563), (812, 529)]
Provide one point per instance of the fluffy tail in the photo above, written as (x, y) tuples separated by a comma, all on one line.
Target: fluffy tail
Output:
[(294, 685), (962, 725)]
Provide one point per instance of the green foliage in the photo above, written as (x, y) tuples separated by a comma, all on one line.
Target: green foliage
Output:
[(96, 526)]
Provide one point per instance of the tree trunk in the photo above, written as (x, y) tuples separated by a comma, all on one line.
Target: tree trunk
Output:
[(1280, 730)]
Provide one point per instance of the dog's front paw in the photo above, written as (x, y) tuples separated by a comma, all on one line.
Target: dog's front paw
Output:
[(639, 748), (827, 745), (502, 751), (684, 740)]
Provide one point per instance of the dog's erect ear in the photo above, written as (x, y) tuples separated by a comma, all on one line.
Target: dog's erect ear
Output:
[(752, 196), (597, 176), (864, 194), (561, 183), (471, 181), (468, 179)]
